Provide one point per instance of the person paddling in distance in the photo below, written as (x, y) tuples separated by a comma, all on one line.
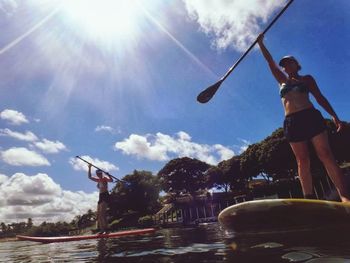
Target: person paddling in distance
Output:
[(304, 123), (102, 185)]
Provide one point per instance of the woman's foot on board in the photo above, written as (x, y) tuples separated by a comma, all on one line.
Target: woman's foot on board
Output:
[(345, 199), (105, 231)]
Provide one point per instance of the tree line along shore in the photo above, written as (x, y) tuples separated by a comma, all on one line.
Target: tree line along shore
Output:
[(262, 169)]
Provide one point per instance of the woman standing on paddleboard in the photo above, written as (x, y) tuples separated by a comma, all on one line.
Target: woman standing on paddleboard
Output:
[(304, 123), (102, 185)]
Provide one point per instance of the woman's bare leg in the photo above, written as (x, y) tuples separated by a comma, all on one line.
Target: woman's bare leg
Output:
[(98, 216), (103, 219), (326, 156), (301, 152)]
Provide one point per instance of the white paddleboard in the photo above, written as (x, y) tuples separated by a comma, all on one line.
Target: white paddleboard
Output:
[(283, 215)]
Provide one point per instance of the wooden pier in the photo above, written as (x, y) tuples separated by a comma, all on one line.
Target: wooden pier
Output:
[(189, 211)]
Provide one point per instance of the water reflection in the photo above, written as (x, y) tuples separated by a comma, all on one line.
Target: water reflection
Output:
[(206, 243), (306, 246)]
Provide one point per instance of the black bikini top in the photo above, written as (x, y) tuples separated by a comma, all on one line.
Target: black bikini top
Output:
[(287, 87)]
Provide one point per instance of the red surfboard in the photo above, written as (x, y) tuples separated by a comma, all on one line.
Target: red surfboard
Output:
[(84, 237)]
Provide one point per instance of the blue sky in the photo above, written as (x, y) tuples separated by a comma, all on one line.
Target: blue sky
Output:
[(116, 82)]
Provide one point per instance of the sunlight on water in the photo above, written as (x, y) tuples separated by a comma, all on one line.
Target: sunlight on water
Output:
[(208, 243)]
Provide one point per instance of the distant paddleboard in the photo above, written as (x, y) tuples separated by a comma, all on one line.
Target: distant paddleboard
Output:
[(285, 215), (84, 237)]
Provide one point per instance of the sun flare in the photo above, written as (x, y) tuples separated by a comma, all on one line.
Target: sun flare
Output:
[(104, 18)]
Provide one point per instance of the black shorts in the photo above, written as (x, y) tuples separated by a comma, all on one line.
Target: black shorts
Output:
[(303, 125), (104, 197)]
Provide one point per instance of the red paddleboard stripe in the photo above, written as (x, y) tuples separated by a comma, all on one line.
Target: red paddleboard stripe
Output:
[(95, 236)]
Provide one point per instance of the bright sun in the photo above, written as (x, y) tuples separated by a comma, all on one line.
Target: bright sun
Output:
[(104, 18)]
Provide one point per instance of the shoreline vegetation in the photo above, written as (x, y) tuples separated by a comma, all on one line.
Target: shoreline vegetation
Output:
[(263, 169), (7, 239)]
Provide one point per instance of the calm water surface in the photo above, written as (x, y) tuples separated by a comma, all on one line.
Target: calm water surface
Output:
[(205, 243)]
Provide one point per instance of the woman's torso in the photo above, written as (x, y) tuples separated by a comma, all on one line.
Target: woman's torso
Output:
[(295, 95), (103, 186)]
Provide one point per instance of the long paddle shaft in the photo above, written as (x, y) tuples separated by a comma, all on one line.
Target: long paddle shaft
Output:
[(115, 178), (208, 93)]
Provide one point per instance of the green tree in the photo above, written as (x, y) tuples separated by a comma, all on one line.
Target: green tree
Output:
[(273, 155), (184, 174), (29, 223), (86, 219), (340, 141), (140, 193), (18, 227), (3, 227), (250, 165), (227, 175)]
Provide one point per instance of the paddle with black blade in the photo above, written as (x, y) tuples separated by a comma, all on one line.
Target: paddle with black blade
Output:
[(107, 173), (209, 92)]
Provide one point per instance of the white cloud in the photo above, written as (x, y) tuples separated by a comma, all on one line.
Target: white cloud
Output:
[(29, 190), (103, 128), (140, 146), (13, 116), (27, 136), (20, 156), (39, 197), (79, 165), (162, 147), (9, 7), (223, 151), (184, 136), (109, 129), (45, 145), (233, 23), (3, 178), (48, 146), (244, 145)]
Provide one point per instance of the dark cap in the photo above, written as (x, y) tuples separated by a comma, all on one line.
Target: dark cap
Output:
[(286, 58), (98, 171)]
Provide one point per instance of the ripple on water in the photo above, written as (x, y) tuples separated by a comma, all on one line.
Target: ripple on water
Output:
[(268, 245), (193, 248), (297, 256), (182, 246), (329, 260)]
